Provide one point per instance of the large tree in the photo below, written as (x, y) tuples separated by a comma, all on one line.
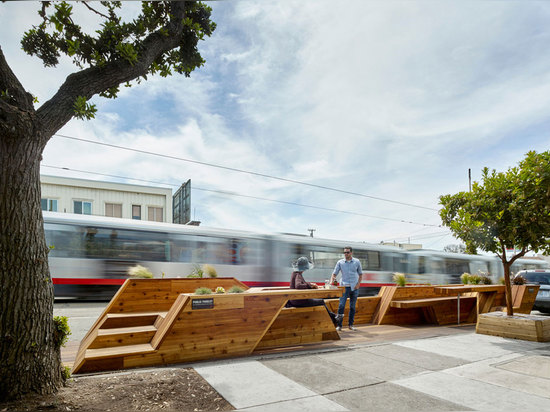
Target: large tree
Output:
[(162, 40), (507, 210)]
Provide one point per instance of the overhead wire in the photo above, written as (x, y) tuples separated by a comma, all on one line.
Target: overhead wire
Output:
[(233, 169)]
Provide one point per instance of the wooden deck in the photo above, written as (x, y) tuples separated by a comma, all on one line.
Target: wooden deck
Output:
[(160, 321)]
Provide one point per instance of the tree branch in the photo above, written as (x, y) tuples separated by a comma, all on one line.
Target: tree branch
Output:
[(14, 92), (57, 111)]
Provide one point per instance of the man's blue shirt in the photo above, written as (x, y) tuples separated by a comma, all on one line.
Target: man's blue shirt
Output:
[(351, 271)]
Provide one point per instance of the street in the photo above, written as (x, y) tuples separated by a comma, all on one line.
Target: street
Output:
[(81, 316)]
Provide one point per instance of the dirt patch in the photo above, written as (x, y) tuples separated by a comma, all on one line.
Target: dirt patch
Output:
[(162, 390)]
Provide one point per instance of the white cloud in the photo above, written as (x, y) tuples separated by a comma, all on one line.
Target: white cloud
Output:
[(394, 100)]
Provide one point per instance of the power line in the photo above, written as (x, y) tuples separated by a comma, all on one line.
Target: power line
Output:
[(227, 193), (243, 171)]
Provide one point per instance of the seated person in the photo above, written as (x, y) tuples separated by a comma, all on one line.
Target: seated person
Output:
[(297, 281)]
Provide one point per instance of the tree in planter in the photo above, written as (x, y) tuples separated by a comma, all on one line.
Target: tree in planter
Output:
[(506, 210), (162, 40)]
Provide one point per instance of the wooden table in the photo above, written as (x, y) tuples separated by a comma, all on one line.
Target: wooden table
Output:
[(485, 295)]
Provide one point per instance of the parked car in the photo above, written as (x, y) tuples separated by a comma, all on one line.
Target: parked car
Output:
[(542, 278)]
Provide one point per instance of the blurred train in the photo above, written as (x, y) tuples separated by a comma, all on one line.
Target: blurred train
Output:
[(90, 256)]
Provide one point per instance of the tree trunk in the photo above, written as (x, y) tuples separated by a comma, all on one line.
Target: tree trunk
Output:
[(29, 357), (508, 283)]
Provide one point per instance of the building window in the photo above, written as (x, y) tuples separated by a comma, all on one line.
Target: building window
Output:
[(154, 214), (82, 208), (136, 212), (113, 210), (50, 205)]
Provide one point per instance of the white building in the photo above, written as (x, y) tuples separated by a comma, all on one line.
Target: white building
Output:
[(92, 197)]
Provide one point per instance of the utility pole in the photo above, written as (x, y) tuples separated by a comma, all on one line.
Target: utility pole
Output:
[(470, 178), (311, 232)]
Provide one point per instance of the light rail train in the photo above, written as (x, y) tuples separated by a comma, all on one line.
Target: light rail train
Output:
[(90, 256)]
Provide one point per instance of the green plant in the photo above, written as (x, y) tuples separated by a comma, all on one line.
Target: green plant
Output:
[(61, 330), (210, 271), (486, 280), (220, 289), (197, 272), (502, 281), (66, 373), (235, 289), (475, 279), (399, 279), (139, 271), (465, 278), (203, 291)]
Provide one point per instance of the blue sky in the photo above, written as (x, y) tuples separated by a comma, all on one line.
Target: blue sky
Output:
[(394, 100)]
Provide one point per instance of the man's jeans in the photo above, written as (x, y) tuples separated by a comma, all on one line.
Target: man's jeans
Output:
[(352, 294)]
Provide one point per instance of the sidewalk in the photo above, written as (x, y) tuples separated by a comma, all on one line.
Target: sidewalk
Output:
[(391, 368)]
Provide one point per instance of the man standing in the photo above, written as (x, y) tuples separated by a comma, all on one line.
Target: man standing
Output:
[(351, 279)]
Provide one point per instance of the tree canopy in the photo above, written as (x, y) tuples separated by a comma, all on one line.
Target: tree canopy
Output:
[(506, 210), (162, 40)]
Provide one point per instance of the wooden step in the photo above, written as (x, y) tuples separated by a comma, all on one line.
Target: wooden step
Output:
[(132, 335), (123, 320), (118, 351)]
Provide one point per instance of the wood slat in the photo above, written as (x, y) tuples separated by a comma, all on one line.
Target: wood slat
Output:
[(418, 303), (119, 351)]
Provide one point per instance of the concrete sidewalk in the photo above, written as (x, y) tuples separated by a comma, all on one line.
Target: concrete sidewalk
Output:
[(439, 369)]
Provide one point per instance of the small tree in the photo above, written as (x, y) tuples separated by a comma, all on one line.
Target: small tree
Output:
[(506, 210)]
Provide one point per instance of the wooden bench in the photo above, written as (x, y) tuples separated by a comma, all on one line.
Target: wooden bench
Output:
[(365, 308), (441, 310)]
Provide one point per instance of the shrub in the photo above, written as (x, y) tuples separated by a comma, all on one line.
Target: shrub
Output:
[(203, 291), (210, 271), (139, 271), (486, 280), (501, 281), (220, 289), (235, 289), (61, 331), (475, 279), (399, 279)]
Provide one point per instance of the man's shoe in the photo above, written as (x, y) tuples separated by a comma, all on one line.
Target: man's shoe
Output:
[(351, 327), (339, 317), (338, 328)]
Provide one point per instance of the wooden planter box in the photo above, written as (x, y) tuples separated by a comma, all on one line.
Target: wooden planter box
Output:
[(520, 326)]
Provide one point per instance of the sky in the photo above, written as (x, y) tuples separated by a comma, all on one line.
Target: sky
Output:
[(353, 117)]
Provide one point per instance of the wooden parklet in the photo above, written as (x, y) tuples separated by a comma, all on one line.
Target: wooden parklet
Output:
[(157, 322)]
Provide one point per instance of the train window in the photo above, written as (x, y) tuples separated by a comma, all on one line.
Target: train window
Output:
[(64, 240), (370, 259), (105, 243), (456, 266)]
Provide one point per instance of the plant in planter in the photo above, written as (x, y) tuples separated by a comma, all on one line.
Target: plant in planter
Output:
[(197, 272), (465, 278), (235, 289), (220, 289), (399, 279), (203, 291), (210, 271), (518, 280), (139, 271)]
